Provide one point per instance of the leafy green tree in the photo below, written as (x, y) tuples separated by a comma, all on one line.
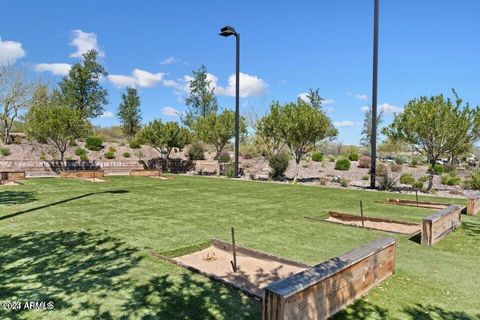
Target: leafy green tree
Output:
[(268, 132), (314, 98), (129, 112), (201, 101), (435, 126), (367, 127), (218, 129), (53, 123), (302, 126), (163, 137), (81, 89)]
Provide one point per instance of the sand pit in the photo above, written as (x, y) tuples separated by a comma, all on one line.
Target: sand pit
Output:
[(420, 204), (93, 179), (9, 183), (158, 177), (255, 271), (372, 223)]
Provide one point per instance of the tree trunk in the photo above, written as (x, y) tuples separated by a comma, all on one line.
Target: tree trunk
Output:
[(432, 173), (297, 166)]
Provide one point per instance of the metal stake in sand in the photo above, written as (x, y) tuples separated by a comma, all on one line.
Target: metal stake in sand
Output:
[(361, 213), (234, 262), (416, 195)]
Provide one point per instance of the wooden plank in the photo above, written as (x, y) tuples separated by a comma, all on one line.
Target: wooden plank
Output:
[(437, 225), (473, 204), (325, 289)]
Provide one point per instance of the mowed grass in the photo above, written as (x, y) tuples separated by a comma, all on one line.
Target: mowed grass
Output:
[(86, 247)]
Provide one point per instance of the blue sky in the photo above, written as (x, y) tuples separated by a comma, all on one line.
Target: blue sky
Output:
[(426, 47)]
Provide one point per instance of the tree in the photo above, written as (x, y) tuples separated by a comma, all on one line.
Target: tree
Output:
[(201, 101), (129, 112), (219, 129), (314, 98), (268, 131), (367, 128), (302, 126), (163, 137), (51, 122), (15, 95), (435, 126), (81, 89)]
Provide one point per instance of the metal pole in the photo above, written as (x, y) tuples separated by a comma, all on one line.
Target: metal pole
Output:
[(234, 263), (237, 104), (373, 135), (361, 213)]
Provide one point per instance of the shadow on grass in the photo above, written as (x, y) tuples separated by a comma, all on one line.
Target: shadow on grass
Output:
[(187, 297), (11, 215), (422, 312), (67, 268), (362, 310), (17, 197), (471, 228)]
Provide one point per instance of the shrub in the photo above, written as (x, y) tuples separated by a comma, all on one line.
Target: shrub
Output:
[(342, 164), (109, 155), (112, 149), (451, 180), (223, 157), (366, 177), (126, 154), (386, 183), (364, 162), (344, 182), (331, 159), (73, 143), (248, 156), (423, 179), (417, 185), (415, 161), (43, 156), (353, 157), (400, 160), (230, 172), (4, 151), (80, 151), (94, 143), (381, 169), (407, 178), (394, 167), (317, 157), (196, 151), (447, 168), (474, 181), (437, 169), (135, 144), (83, 157), (279, 164)]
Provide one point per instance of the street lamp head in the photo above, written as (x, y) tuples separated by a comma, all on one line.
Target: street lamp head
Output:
[(227, 31)]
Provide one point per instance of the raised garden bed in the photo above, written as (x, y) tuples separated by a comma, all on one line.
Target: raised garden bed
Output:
[(419, 204), (89, 175), (146, 173)]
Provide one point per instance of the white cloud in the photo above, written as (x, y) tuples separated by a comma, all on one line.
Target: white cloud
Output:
[(249, 86), (58, 69), (388, 108), (365, 108), (84, 42), (362, 97), (170, 111), (11, 51), (328, 102), (170, 60), (325, 102), (139, 78), (107, 115), (303, 96), (345, 123)]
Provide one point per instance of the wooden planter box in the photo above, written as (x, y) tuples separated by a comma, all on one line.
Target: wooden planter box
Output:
[(323, 290), (473, 204), (12, 175), (436, 226), (146, 173), (82, 174)]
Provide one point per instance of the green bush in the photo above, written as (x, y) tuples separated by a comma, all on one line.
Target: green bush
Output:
[(474, 180), (344, 182), (73, 143), (342, 164), (80, 151), (417, 185), (451, 180), (407, 178), (381, 169), (109, 155), (353, 157), (196, 151), (331, 159), (279, 164), (4, 151), (386, 183), (135, 144), (94, 143), (394, 167), (366, 177), (423, 179), (126, 154), (223, 157), (317, 157), (415, 161), (83, 157), (400, 160), (230, 171), (437, 169)]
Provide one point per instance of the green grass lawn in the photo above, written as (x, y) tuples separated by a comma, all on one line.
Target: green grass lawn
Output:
[(85, 246)]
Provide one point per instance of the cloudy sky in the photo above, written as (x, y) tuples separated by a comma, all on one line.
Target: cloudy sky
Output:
[(426, 47)]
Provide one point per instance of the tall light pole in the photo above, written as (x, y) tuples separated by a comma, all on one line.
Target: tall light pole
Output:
[(373, 134), (226, 32)]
